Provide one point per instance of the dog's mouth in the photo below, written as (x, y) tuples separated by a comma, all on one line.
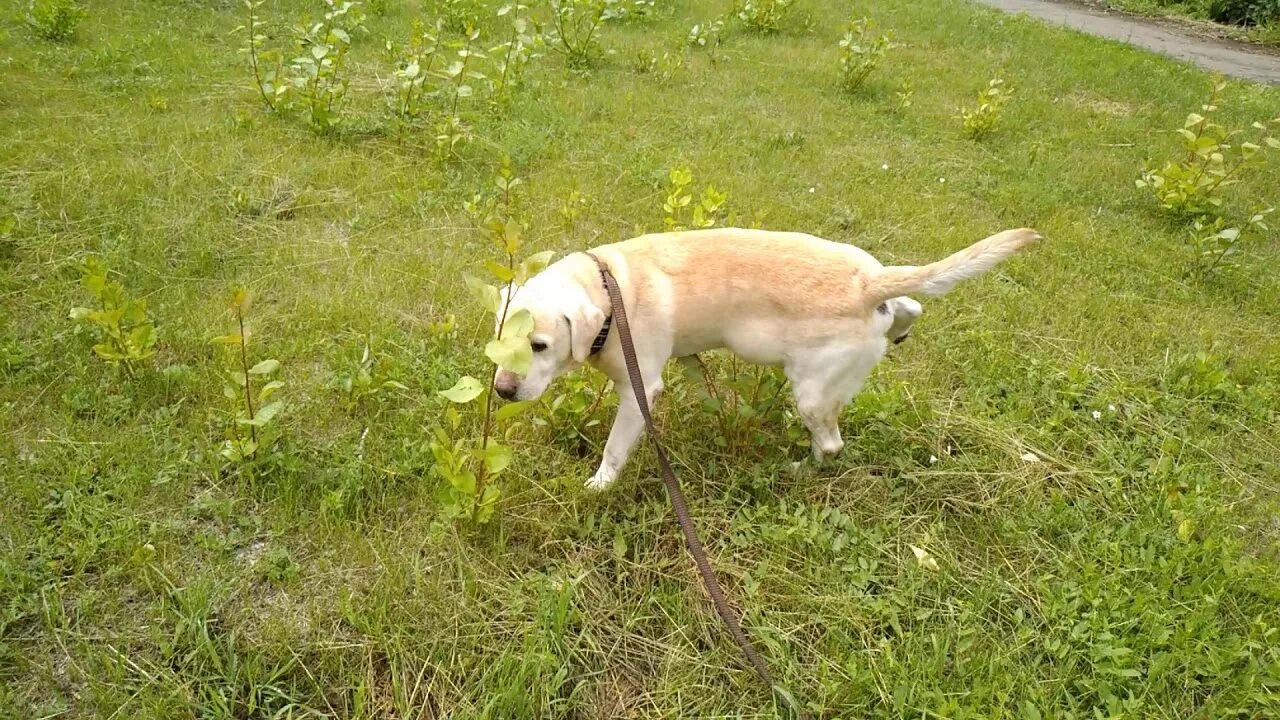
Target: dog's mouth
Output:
[(898, 340)]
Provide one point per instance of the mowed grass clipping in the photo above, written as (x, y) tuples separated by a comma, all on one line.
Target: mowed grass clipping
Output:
[(1085, 441)]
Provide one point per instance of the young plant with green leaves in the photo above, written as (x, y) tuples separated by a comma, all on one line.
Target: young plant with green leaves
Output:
[(512, 57), (1214, 160), (647, 62), (249, 390), (368, 378), (861, 52), (126, 336), (705, 34), (469, 465), (981, 120), (1215, 245), (265, 64), (54, 20), (902, 96), (413, 71), (455, 14), (682, 212), (763, 16), (746, 404), (574, 31), (319, 74), (629, 10), (452, 132)]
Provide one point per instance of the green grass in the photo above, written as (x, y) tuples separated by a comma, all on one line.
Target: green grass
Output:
[(1130, 573)]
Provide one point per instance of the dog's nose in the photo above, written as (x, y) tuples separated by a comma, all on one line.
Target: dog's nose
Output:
[(506, 384)]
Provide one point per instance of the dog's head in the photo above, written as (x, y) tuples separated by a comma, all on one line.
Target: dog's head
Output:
[(565, 324), (901, 313)]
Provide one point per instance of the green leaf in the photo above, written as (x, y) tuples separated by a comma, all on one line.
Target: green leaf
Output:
[(487, 294), (266, 367), (106, 352), (80, 313), (511, 237), (264, 414), (488, 504), (143, 338), (519, 324), (496, 458), (502, 272), (536, 262), (464, 482), (269, 389), (464, 391), (511, 353), (510, 410)]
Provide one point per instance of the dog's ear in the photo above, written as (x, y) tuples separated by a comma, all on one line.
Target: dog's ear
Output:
[(585, 321)]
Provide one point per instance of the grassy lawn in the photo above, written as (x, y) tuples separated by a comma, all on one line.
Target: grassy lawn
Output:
[(1130, 572)]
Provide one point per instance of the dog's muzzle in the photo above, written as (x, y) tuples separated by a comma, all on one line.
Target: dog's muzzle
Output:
[(506, 384)]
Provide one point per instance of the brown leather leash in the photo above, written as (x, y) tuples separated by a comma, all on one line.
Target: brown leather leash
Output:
[(726, 612)]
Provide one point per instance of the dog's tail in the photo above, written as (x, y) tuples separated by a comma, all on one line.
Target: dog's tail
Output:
[(937, 278)]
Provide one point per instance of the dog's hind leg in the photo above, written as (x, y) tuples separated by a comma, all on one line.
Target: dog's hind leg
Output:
[(823, 381)]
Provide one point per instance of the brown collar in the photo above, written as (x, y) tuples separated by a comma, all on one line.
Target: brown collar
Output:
[(603, 336)]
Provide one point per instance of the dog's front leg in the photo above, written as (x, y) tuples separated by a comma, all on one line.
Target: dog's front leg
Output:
[(627, 427)]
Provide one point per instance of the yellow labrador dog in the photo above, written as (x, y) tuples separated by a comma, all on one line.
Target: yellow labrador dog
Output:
[(822, 310)]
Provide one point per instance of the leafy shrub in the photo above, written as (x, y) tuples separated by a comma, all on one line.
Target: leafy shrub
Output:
[(452, 133), (706, 34), (903, 95), (511, 58), (456, 15), (1215, 244), (318, 73), (368, 378), (681, 212), (574, 31), (126, 336), (1244, 12), (265, 64), (981, 120), (54, 20), (664, 68), (1193, 185), (467, 464), (861, 53), (763, 16), (413, 70), (250, 407), (576, 408), (748, 406), (629, 10)]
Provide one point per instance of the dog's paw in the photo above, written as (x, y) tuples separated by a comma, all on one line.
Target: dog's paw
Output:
[(823, 453), (601, 480)]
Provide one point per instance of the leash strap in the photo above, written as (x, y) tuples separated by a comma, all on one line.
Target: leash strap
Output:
[(726, 612)]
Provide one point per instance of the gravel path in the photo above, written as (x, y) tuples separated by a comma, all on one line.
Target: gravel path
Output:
[(1229, 58)]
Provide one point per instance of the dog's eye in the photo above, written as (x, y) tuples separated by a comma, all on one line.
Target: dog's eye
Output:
[(538, 346)]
